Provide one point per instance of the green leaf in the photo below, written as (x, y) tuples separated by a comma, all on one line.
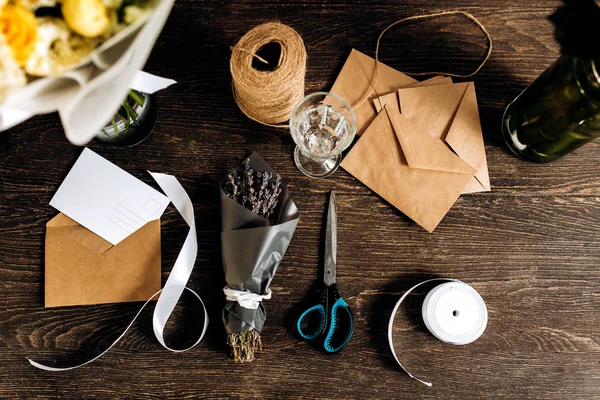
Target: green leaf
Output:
[(127, 123), (137, 97), (114, 125), (131, 113)]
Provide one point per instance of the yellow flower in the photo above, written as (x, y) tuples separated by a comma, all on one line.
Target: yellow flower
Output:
[(89, 18), (18, 26)]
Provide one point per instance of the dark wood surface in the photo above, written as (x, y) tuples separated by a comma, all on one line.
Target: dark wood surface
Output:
[(531, 247)]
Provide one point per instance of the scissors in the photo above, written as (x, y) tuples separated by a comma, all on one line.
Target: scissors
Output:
[(327, 320)]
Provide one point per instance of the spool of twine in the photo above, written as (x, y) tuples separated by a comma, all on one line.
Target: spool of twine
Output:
[(268, 96)]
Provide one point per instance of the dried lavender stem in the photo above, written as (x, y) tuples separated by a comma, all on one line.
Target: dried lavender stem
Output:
[(244, 345)]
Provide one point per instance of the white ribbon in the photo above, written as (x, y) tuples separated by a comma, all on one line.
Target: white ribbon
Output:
[(176, 283), (393, 316), (246, 298)]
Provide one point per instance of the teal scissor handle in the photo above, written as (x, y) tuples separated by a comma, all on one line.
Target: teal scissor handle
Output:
[(318, 328), (329, 323), (340, 306)]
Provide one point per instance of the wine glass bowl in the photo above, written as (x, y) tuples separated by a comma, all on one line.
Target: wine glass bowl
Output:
[(322, 125)]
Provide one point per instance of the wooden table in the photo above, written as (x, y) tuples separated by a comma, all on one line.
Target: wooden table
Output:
[(531, 247)]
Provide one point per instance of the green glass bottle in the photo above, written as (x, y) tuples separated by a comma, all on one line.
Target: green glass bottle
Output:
[(557, 113)]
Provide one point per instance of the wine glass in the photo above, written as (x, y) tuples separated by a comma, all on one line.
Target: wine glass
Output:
[(322, 126)]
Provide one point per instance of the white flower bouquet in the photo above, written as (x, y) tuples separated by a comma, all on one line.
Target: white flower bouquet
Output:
[(77, 57)]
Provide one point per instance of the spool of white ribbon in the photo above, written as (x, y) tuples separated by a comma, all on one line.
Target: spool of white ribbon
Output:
[(246, 298), (453, 312), (176, 284)]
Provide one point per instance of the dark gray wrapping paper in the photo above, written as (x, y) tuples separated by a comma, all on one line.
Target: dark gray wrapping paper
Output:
[(252, 249)]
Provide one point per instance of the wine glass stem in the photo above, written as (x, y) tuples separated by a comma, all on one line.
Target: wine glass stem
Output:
[(320, 168)]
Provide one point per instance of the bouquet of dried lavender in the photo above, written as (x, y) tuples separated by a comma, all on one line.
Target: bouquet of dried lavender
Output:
[(258, 221)]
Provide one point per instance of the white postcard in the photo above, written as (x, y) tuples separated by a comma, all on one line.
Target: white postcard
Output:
[(107, 200)]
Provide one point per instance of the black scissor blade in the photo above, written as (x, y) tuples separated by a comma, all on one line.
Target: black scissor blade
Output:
[(330, 243)]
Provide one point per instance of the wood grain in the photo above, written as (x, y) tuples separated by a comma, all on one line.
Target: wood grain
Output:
[(530, 247)]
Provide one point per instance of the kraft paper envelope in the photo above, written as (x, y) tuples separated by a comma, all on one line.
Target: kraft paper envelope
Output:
[(82, 268), (354, 82), (416, 173), (450, 113)]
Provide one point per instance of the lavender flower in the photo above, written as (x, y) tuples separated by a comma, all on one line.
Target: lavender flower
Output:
[(257, 191)]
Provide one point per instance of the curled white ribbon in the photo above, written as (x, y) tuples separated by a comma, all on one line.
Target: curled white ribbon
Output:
[(246, 298), (391, 325), (395, 310), (176, 283)]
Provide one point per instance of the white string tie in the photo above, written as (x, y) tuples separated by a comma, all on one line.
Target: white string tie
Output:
[(246, 298)]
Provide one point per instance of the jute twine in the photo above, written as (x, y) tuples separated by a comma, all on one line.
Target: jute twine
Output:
[(423, 17), (268, 97)]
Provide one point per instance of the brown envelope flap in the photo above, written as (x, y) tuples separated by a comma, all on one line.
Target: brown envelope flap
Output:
[(389, 100), (139, 255), (388, 79), (474, 186), (436, 80), (425, 152), (351, 84), (432, 107), (423, 195), (465, 136), (78, 233)]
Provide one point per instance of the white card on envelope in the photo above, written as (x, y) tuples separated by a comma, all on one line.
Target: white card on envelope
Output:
[(107, 200)]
